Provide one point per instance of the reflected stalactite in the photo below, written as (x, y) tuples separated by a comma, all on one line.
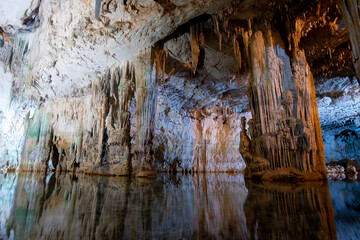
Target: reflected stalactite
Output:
[(199, 206), (289, 211), (218, 207), (171, 207)]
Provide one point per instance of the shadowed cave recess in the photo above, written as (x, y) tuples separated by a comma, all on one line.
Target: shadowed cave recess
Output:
[(138, 87)]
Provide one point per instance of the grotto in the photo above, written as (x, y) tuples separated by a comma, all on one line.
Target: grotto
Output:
[(179, 119)]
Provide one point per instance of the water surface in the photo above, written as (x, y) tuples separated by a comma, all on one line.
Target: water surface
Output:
[(211, 206)]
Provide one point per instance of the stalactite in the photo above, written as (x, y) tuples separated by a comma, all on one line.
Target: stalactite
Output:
[(160, 60), (350, 12), (197, 44), (237, 51), (217, 27), (97, 9)]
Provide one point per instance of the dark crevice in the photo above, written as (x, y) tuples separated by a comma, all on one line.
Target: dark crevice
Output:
[(31, 20), (104, 146), (184, 28), (55, 156)]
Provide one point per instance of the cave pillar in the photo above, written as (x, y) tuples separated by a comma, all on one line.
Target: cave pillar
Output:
[(350, 12), (146, 98), (118, 152), (285, 129), (199, 151)]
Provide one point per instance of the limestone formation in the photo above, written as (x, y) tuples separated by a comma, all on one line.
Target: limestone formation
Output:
[(94, 138), (146, 95), (285, 130), (80, 86)]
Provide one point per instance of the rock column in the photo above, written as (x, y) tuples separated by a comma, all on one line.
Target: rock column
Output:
[(146, 96), (118, 152), (285, 131)]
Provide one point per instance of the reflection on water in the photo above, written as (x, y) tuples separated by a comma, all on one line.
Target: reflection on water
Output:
[(284, 211), (169, 207)]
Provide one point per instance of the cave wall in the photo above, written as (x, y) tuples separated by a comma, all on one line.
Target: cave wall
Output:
[(198, 123), (110, 131), (339, 97)]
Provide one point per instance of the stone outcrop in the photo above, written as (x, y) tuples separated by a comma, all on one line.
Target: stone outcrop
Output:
[(336, 172), (345, 168)]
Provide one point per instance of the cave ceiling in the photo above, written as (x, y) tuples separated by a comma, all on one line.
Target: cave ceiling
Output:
[(60, 47)]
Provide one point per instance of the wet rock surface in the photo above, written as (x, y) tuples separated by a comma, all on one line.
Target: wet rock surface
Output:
[(339, 97), (342, 169), (198, 124)]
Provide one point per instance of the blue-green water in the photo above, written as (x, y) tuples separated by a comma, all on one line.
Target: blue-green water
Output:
[(211, 206)]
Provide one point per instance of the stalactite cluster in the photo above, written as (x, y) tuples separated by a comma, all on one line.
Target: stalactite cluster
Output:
[(101, 141)]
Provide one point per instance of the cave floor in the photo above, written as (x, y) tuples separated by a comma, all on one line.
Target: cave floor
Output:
[(178, 206)]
